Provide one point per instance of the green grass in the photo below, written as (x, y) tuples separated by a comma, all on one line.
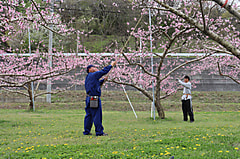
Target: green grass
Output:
[(58, 134), (116, 100)]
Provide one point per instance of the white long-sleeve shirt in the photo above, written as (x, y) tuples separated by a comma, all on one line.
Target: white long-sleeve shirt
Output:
[(186, 90)]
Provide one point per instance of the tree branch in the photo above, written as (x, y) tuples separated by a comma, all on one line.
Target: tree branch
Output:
[(15, 84), (39, 11), (134, 86), (179, 66), (15, 91), (54, 92), (169, 94), (229, 8), (225, 75), (211, 34), (203, 17)]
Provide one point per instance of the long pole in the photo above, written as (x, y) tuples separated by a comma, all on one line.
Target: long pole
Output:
[(150, 30), (30, 52), (128, 99), (49, 85)]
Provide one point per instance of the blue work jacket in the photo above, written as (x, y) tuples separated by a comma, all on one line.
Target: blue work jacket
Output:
[(93, 82)]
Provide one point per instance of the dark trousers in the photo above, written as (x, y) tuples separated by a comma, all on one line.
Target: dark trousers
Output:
[(93, 115), (187, 110)]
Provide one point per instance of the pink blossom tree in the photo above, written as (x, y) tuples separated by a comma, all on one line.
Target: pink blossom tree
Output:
[(218, 33), (19, 70), (187, 27)]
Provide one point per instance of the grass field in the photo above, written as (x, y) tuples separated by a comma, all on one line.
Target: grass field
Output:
[(116, 100), (58, 134)]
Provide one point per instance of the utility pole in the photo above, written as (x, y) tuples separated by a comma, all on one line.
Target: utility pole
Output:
[(49, 85), (30, 52), (150, 30), (75, 86)]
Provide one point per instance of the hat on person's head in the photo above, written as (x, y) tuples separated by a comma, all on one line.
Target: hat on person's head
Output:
[(89, 66)]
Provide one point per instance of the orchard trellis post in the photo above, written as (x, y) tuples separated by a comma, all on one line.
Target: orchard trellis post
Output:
[(30, 52), (150, 30), (49, 85)]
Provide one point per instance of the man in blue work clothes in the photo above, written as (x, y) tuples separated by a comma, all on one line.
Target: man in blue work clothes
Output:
[(93, 90)]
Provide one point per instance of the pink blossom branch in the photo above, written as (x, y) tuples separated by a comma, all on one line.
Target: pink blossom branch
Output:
[(203, 16), (171, 40), (35, 5), (169, 94), (219, 51), (179, 66), (210, 33), (225, 75), (53, 92), (134, 86), (15, 84), (125, 45)]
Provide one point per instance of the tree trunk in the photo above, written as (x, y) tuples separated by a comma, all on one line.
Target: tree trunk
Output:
[(158, 105), (30, 96), (160, 110)]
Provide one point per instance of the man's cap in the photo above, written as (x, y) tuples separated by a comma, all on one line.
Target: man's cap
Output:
[(89, 66)]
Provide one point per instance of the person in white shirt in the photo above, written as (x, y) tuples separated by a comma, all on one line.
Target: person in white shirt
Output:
[(187, 99)]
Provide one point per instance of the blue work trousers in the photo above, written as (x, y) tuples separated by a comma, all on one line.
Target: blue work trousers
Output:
[(93, 115)]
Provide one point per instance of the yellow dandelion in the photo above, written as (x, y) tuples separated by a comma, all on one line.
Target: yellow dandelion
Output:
[(227, 151), (65, 144), (114, 152), (236, 148), (220, 151), (194, 148), (183, 148), (161, 153)]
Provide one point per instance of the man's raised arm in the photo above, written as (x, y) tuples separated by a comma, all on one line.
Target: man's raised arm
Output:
[(105, 70), (188, 85)]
